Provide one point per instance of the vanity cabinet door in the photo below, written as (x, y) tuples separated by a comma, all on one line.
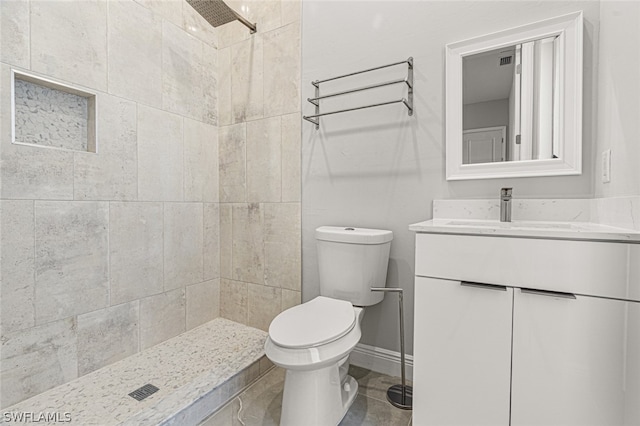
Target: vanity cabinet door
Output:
[(462, 353), (575, 361)]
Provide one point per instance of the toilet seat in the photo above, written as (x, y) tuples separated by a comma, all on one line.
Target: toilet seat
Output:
[(314, 323)]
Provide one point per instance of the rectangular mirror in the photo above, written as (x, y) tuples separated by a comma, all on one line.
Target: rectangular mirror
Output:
[(514, 102)]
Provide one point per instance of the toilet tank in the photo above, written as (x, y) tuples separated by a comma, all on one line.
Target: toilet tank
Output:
[(351, 261)]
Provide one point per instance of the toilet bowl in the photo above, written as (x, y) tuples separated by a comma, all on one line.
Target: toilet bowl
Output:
[(312, 341)]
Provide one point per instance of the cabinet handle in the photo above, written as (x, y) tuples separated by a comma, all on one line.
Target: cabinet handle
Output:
[(548, 293), (483, 285)]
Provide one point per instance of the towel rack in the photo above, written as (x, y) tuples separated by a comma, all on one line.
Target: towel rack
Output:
[(408, 101)]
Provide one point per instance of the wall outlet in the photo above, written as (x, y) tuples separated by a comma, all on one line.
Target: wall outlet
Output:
[(606, 166)]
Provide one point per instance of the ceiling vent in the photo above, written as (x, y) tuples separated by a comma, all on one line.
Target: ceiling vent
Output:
[(505, 60)]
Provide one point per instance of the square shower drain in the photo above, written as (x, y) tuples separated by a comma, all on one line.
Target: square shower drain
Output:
[(143, 392)]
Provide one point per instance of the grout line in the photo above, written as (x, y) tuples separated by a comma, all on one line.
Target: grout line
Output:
[(164, 284), (30, 36), (139, 325), (183, 162), (136, 153), (281, 162), (109, 253), (35, 305), (97, 200), (106, 49)]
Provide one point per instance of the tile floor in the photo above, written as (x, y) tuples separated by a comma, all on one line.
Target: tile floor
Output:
[(260, 404)]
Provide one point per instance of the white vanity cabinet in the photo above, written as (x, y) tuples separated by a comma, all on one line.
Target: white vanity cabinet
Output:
[(519, 331), (575, 361)]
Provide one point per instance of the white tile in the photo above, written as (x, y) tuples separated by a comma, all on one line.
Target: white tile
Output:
[(622, 212), (233, 32), (111, 173), (29, 172), (37, 359), (263, 304), (14, 33), (160, 155), (17, 264), (211, 243), (282, 245), (182, 70), (232, 163), (203, 302), (282, 71), (135, 53), (226, 241), (265, 14), (522, 209), (136, 250), (264, 161), (183, 244), (69, 41), (290, 299), (197, 26), (224, 87), (106, 336), (291, 157), (247, 246), (200, 161), (291, 11), (71, 258), (233, 300), (171, 10), (161, 317), (247, 85), (210, 85)]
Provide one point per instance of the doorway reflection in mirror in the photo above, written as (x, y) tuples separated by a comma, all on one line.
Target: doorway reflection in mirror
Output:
[(510, 103)]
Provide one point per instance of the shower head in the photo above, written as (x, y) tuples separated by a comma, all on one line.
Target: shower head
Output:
[(217, 13)]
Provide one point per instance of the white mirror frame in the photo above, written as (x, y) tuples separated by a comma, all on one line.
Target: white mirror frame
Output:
[(568, 28)]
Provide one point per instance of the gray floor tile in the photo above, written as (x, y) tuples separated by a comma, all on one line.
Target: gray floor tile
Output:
[(225, 416), (261, 403), (373, 384), (371, 412)]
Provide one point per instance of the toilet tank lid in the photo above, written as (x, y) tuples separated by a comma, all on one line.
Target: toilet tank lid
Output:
[(348, 234)]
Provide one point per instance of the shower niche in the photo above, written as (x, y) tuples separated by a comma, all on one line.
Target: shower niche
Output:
[(49, 114)]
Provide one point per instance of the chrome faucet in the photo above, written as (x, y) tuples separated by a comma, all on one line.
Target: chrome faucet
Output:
[(505, 204)]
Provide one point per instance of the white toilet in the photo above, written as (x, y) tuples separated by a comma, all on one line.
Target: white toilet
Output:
[(312, 341)]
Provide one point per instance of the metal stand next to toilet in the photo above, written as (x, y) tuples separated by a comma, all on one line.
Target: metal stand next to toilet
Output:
[(401, 395)]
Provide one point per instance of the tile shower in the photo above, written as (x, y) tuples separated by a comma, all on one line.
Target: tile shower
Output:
[(188, 210)]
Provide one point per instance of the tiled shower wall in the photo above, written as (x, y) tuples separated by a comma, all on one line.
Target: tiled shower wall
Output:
[(105, 254), (259, 144)]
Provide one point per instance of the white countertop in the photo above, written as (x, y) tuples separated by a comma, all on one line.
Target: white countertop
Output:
[(528, 229)]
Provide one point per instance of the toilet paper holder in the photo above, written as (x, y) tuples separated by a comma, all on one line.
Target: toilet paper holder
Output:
[(401, 395)]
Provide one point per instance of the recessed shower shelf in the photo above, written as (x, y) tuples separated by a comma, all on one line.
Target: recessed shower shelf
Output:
[(408, 101), (48, 114)]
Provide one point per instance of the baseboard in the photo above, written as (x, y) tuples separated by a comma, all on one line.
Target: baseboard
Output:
[(381, 360)]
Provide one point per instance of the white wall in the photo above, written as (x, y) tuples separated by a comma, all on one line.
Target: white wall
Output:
[(485, 114), (380, 167), (619, 98)]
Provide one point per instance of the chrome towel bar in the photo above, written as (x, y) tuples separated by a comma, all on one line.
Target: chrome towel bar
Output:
[(408, 102)]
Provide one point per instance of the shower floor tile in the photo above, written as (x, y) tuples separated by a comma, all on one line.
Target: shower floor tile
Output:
[(260, 404), (207, 364)]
